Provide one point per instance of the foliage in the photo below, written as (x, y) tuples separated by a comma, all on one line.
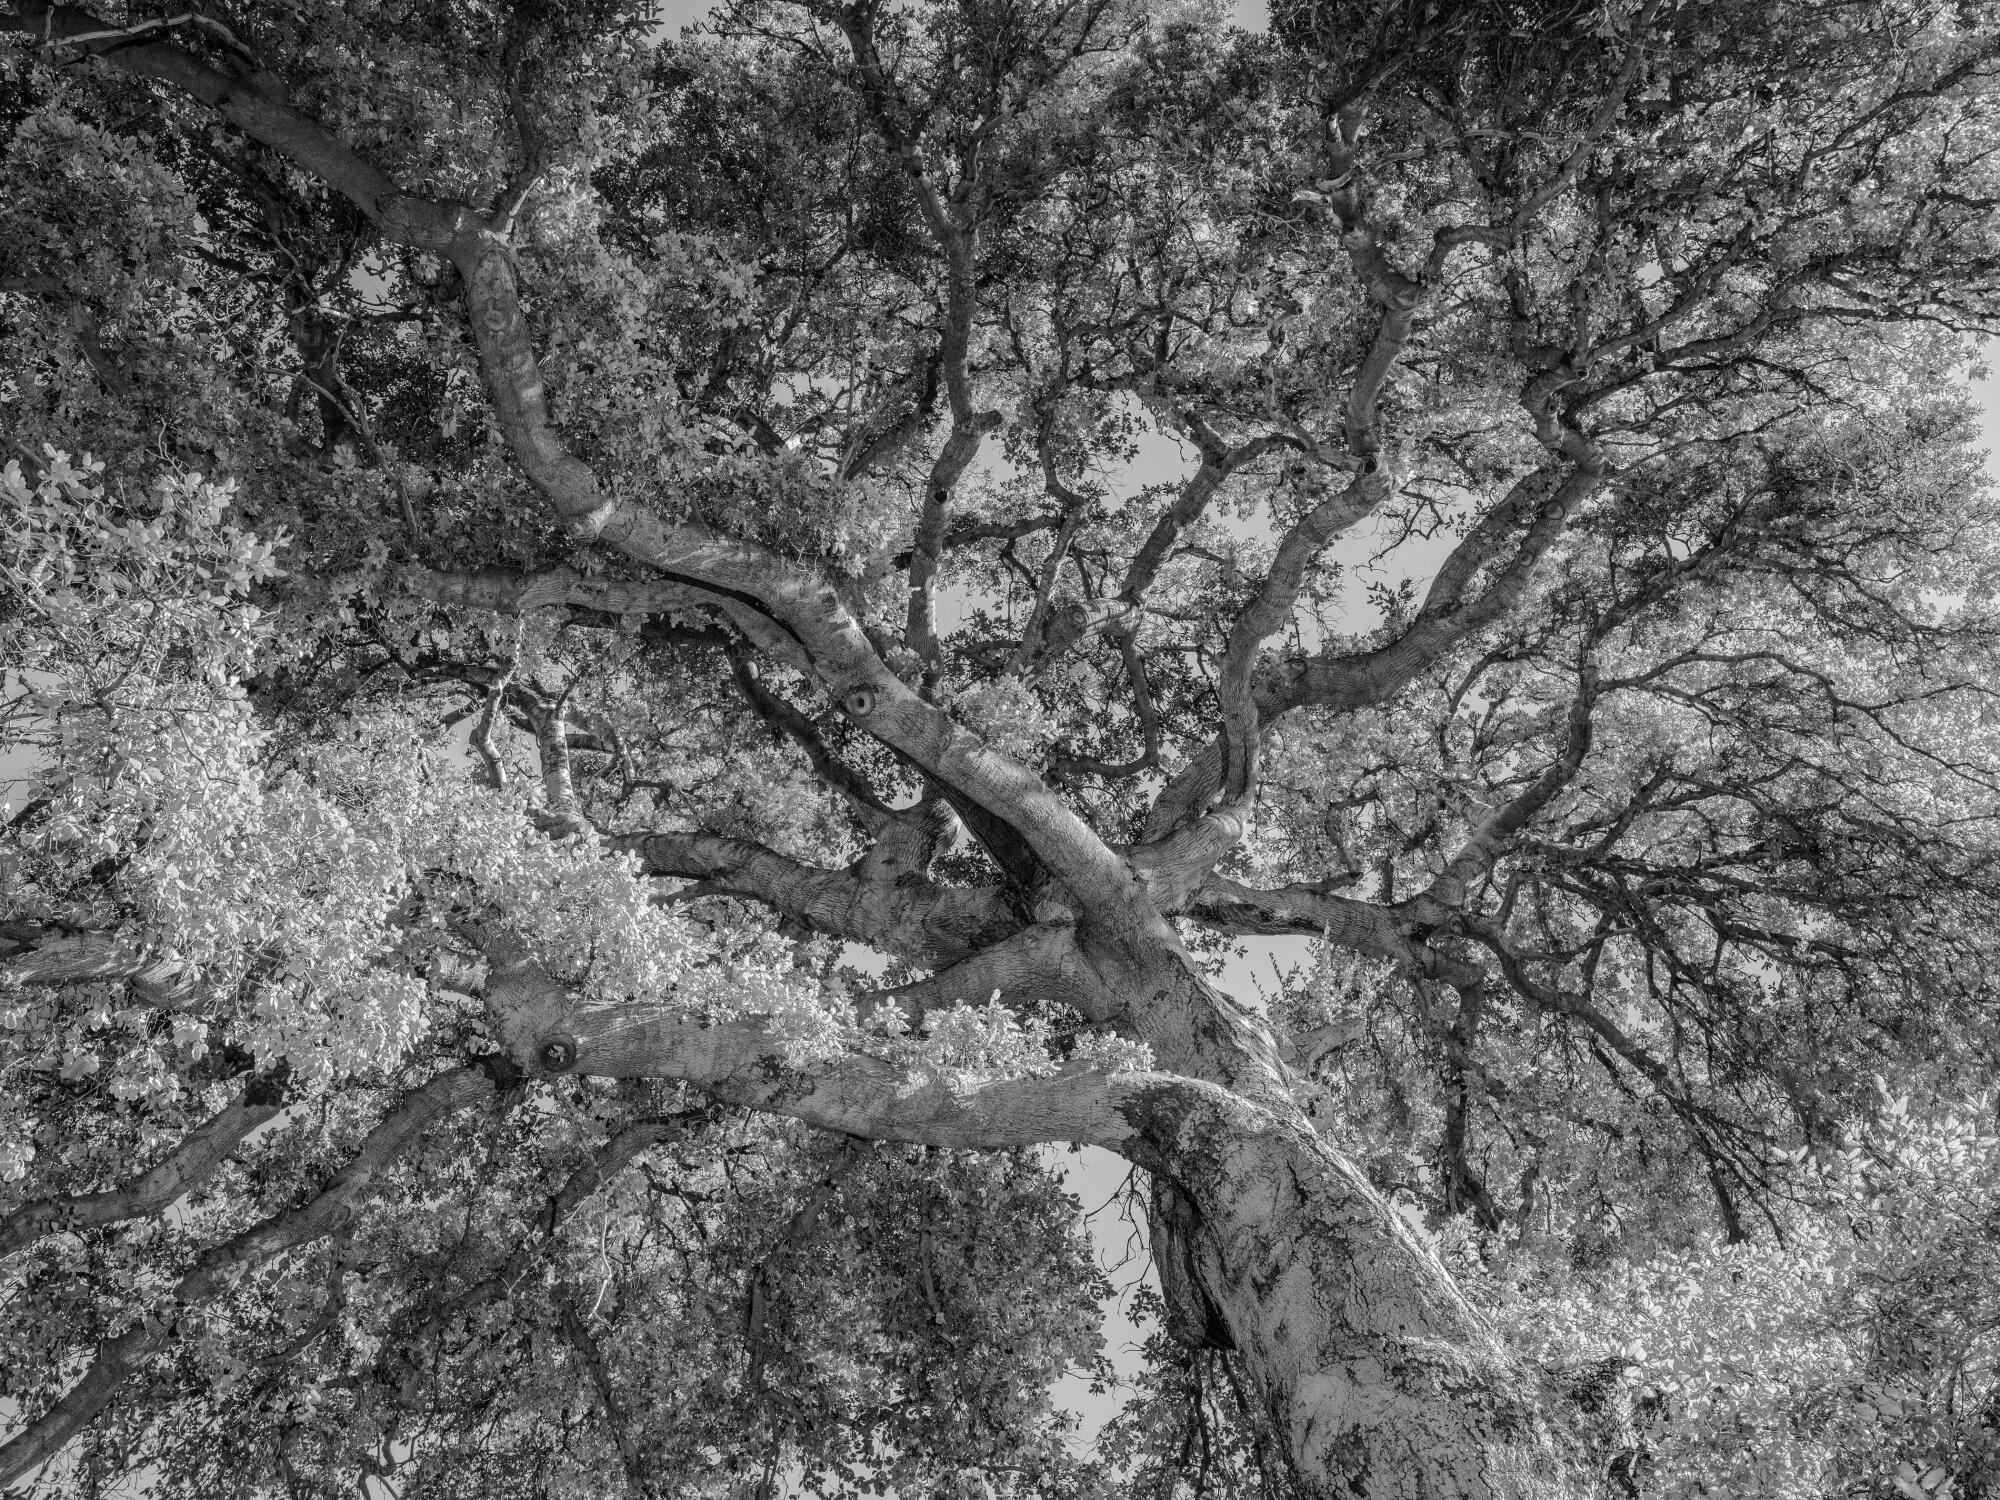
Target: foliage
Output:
[(890, 539)]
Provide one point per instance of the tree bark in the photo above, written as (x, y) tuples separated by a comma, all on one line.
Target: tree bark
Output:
[(1380, 1377), (1382, 1380), (185, 1168)]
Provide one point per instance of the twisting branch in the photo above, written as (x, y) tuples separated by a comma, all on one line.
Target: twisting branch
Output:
[(909, 844), (1149, 723), (563, 818), (951, 225), (185, 1168), (216, 1270), (1268, 611), (794, 601), (1476, 856), (960, 448), (1039, 966), (158, 978), (1359, 926), (744, 1064), (869, 809), (558, 588), (482, 731), (1218, 462), (901, 913), (1360, 679), (1035, 634), (534, 150), (1266, 614), (1464, 1188)]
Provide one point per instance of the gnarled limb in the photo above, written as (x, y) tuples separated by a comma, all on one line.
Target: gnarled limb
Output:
[(558, 588), (1383, 932), (181, 1171), (1370, 1363), (796, 602), (1149, 723), (952, 225), (1372, 677), (862, 800), (561, 817), (1218, 462), (1464, 1188), (960, 448), (216, 1270), (1265, 615), (1358, 680), (1036, 967), (1475, 857), (926, 924), (159, 978)]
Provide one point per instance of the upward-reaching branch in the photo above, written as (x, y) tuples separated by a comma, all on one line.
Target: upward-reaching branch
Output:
[(1268, 611), (181, 1171), (952, 225), (1486, 842), (218, 1269), (801, 606)]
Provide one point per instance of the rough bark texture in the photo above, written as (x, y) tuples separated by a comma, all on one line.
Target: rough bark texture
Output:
[(1381, 1379)]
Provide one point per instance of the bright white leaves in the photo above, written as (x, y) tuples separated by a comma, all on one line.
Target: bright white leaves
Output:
[(303, 906), (1856, 1357), (284, 903), (996, 1040), (1008, 715)]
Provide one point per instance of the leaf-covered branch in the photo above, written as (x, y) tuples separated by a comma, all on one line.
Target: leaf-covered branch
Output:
[(219, 1268), (181, 1171)]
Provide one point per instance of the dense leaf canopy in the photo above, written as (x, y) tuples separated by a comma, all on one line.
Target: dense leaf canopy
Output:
[(637, 669)]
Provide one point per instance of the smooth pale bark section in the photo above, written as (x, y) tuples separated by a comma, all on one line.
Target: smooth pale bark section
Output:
[(750, 1064), (1377, 1374), (1381, 1378)]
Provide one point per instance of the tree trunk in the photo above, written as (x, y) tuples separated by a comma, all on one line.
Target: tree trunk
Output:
[(1377, 1375)]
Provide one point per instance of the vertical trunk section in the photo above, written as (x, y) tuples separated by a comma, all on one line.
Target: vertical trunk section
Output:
[(1380, 1379)]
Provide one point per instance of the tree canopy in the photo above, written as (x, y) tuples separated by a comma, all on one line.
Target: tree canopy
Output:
[(637, 668)]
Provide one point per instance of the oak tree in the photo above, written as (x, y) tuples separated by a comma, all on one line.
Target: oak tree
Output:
[(637, 666)]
